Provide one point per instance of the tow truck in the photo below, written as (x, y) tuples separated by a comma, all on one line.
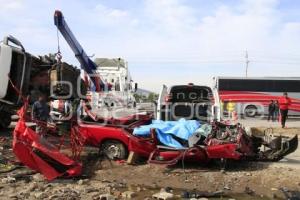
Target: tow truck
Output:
[(85, 62), (99, 131)]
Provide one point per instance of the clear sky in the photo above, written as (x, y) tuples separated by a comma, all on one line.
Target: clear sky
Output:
[(167, 41)]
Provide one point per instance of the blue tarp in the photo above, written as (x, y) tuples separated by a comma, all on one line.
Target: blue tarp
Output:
[(167, 129)]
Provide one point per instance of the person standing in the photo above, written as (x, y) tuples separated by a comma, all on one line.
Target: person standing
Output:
[(40, 114), (284, 103), (271, 110), (276, 110)]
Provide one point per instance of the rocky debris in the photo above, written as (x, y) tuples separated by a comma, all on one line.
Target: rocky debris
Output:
[(199, 194), (93, 189), (82, 181), (138, 189), (40, 195), (32, 186), (226, 187), (249, 191), (13, 196), (108, 189), (274, 189), (293, 195), (154, 186), (167, 189), (21, 174), (38, 177), (8, 179), (128, 195), (63, 193), (162, 195), (90, 190), (248, 174), (106, 197)]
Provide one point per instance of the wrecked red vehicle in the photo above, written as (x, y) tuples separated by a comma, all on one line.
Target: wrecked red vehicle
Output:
[(40, 155), (116, 138)]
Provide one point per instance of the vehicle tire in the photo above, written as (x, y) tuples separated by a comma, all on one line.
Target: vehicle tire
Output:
[(114, 150), (5, 120), (250, 111)]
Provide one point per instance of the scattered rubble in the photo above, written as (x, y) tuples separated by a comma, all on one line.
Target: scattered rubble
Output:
[(105, 197), (128, 195), (8, 179), (163, 195)]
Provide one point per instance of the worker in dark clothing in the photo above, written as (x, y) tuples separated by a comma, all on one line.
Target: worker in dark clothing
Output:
[(271, 110), (284, 103), (40, 114), (276, 110)]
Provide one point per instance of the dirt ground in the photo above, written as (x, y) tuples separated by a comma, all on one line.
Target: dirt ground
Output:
[(239, 180)]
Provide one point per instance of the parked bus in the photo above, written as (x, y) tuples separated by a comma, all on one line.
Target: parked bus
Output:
[(251, 96)]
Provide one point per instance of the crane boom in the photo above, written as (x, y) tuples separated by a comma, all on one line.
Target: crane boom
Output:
[(86, 63)]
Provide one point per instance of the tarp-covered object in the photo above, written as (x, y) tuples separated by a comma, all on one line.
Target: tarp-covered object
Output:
[(39, 155), (166, 130)]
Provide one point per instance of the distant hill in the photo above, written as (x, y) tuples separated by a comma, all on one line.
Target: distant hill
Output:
[(143, 92)]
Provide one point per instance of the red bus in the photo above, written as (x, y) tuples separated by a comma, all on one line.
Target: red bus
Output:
[(251, 96)]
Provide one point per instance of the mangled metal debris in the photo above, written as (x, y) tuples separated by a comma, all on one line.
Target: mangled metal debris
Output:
[(221, 141), (38, 154)]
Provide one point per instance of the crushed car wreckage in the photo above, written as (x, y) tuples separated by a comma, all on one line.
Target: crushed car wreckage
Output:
[(207, 141), (40, 155), (221, 141), (170, 141)]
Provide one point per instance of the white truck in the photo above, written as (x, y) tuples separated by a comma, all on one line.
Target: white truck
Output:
[(120, 86), (187, 101), (28, 73)]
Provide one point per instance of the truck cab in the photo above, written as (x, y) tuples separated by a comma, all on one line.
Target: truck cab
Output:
[(120, 87), (186, 101), (29, 74)]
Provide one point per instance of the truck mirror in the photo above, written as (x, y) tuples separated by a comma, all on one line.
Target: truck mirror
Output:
[(135, 87)]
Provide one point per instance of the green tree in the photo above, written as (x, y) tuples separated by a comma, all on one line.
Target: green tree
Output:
[(152, 97)]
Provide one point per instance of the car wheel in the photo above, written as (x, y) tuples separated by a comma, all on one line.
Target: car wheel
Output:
[(114, 150), (250, 111)]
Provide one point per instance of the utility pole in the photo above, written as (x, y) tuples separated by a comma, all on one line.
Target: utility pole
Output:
[(247, 63)]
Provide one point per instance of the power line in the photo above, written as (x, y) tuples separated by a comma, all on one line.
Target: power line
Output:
[(247, 63)]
